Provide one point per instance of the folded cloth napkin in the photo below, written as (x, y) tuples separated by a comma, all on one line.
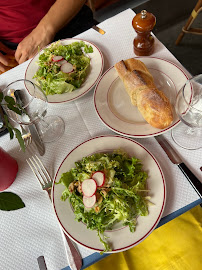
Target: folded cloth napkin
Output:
[(177, 245)]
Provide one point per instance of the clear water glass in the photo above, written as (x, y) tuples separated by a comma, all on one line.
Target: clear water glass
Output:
[(34, 104), (188, 106)]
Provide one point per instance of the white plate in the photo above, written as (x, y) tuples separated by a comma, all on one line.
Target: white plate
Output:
[(115, 109), (121, 238), (96, 68)]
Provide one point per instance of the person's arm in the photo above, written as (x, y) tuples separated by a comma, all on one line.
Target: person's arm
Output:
[(60, 14), (7, 61)]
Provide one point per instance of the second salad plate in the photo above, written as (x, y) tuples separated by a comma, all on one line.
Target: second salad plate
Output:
[(94, 72)]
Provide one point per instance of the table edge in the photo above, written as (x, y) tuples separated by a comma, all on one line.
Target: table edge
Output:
[(95, 257)]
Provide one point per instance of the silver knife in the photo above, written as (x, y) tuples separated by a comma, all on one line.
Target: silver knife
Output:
[(42, 263), (32, 128), (37, 139), (176, 159), (99, 30)]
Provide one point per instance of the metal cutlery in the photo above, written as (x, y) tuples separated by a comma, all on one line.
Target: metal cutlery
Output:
[(99, 30), (37, 139), (42, 263), (176, 159), (46, 182), (26, 135)]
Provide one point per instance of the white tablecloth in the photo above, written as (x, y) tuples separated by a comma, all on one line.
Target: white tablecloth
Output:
[(33, 231)]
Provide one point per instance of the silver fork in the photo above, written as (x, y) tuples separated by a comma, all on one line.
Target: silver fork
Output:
[(46, 182)]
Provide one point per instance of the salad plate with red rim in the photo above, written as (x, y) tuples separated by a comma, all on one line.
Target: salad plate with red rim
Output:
[(119, 237), (64, 71)]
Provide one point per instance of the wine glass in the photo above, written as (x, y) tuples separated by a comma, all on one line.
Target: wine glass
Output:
[(33, 103), (188, 106)]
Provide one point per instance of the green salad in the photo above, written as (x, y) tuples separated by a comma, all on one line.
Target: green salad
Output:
[(63, 68), (120, 194)]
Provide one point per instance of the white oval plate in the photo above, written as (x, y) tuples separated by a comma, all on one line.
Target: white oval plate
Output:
[(96, 68), (115, 109), (121, 239)]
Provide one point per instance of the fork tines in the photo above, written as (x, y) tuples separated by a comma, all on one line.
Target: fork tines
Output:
[(40, 171)]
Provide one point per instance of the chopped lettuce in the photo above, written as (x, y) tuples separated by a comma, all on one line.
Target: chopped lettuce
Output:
[(49, 76), (124, 194)]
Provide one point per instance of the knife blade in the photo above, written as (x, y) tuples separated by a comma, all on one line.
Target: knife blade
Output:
[(37, 139), (176, 159), (32, 127)]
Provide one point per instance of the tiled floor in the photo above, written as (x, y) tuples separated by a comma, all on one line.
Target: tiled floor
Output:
[(189, 51)]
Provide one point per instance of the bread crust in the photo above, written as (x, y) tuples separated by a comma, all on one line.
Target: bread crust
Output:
[(154, 106)]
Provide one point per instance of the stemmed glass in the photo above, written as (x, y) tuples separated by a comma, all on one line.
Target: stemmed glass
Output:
[(188, 106), (33, 102)]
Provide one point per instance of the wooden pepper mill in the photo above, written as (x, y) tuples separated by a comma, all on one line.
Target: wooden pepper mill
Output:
[(143, 23)]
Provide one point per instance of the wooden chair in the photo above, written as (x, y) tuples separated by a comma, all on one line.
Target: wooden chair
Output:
[(187, 28)]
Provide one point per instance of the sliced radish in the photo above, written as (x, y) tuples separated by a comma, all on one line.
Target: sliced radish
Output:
[(89, 201), (66, 67), (99, 177), (57, 58), (89, 187), (62, 62)]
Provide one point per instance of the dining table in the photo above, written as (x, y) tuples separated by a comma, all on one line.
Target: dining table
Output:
[(33, 231)]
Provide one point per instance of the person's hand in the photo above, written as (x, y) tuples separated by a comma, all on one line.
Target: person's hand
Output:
[(7, 61), (32, 43)]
